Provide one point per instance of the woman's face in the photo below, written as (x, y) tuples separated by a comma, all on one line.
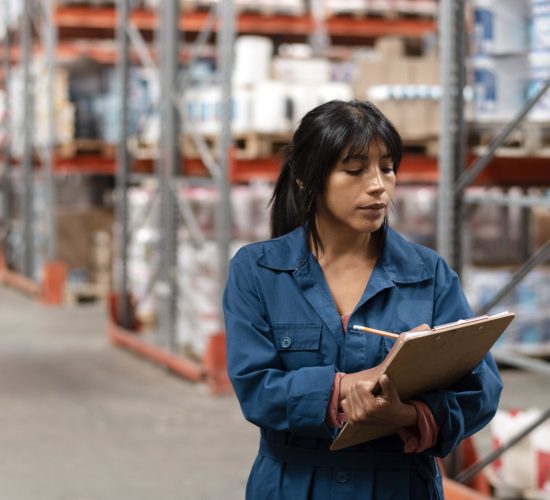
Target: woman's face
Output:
[(358, 191)]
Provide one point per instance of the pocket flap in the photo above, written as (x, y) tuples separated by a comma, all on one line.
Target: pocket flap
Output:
[(296, 337)]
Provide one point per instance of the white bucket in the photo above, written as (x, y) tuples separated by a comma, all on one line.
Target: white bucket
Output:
[(252, 59), (500, 26), (313, 71), (539, 63), (500, 86), (203, 108), (335, 90), (303, 98), (269, 109), (241, 110)]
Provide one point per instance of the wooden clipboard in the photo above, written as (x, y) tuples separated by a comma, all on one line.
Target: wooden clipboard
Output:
[(428, 360)]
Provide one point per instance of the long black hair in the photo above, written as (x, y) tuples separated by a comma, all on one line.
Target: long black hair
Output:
[(317, 145)]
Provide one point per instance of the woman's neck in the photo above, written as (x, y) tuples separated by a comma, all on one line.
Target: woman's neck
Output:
[(339, 242)]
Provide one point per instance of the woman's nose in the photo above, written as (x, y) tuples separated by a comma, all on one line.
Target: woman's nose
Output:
[(374, 182)]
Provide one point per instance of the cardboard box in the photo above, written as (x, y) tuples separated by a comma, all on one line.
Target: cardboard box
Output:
[(393, 111), (391, 46), (76, 230), (424, 70)]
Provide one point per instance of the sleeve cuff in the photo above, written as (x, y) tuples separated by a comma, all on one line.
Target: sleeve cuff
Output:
[(424, 435), (335, 417)]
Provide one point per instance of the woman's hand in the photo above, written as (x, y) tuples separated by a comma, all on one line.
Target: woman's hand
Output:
[(349, 379), (384, 408)]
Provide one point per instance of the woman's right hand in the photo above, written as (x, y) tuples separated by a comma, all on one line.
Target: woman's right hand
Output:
[(369, 375)]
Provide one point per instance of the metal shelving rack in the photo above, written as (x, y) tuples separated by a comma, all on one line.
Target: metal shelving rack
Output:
[(455, 178), (36, 22), (168, 171), (6, 150)]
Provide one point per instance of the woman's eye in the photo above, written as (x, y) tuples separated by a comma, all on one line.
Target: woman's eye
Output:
[(387, 169), (355, 173)]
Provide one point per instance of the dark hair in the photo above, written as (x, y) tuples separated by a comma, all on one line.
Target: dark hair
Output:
[(317, 145)]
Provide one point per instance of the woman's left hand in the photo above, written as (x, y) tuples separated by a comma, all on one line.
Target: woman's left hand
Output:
[(385, 408)]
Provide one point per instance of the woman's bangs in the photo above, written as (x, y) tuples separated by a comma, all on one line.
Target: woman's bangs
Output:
[(359, 138), (392, 143)]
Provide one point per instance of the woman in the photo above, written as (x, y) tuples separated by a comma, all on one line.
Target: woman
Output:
[(293, 360)]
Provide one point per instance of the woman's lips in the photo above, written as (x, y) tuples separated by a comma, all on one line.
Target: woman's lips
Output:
[(374, 206)]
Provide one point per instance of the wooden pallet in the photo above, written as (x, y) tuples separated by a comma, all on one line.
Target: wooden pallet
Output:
[(85, 147), (248, 6), (255, 145), (424, 146), (85, 293), (529, 139), (382, 10), (248, 145)]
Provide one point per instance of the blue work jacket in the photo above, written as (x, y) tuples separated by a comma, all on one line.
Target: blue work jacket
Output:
[(285, 342)]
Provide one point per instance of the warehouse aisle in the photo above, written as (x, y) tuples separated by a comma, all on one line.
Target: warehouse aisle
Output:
[(81, 420)]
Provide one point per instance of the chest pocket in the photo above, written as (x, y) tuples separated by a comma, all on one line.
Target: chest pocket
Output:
[(298, 345)]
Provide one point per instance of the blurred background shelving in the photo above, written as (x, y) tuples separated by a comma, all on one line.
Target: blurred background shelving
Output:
[(305, 53)]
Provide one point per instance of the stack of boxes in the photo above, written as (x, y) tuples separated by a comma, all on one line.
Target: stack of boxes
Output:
[(530, 332), (539, 56), (511, 58), (198, 259), (405, 88), (270, 95), (63, 108)]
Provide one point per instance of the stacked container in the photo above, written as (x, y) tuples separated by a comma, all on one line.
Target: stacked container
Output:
[(539, 56), (500, 62)]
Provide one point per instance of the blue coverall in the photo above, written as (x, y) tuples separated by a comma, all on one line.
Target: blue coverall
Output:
[(285, 342)]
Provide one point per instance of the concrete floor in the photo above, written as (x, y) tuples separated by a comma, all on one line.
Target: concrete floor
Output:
[(82, 420)]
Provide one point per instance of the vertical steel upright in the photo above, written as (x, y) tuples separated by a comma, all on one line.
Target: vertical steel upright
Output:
[(123, 168), (27, 160), (168, 167), (319, 39), (452, 142), (48, 33), (6, 183), (225, 53)]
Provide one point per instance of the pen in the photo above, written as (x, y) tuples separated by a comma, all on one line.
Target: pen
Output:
[(376, 332)]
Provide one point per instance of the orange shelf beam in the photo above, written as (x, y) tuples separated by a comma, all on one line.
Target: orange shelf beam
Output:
[(415, 169), (100, 18), (51, 291), (176, 364), (104, 53), (105, 19), (212, 370)]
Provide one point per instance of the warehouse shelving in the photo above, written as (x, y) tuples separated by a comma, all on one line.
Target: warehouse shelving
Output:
[(415, 169), (79, 29), (100, 22), (455, 178), (97, 21), (35, 23)]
